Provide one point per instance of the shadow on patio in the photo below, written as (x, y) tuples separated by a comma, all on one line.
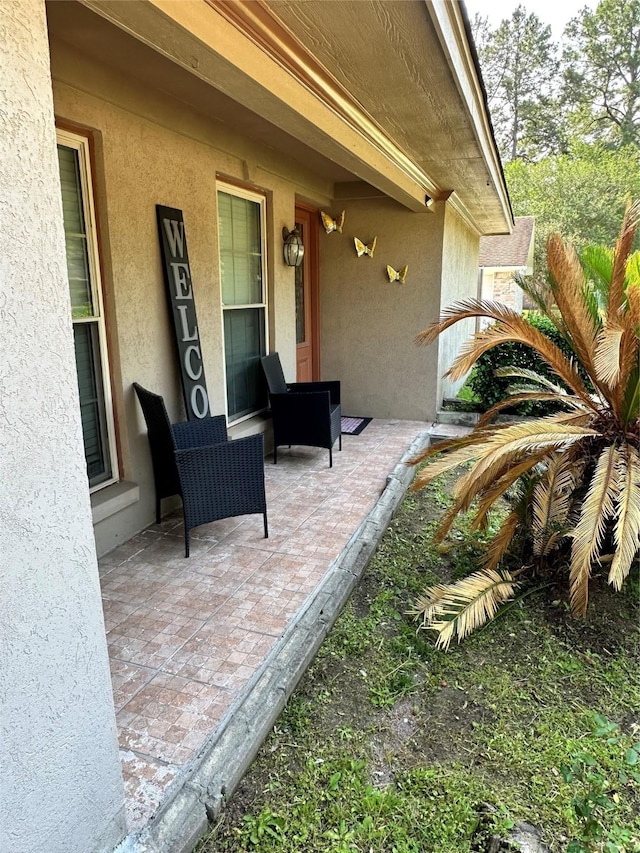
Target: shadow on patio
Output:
[(189, 638)]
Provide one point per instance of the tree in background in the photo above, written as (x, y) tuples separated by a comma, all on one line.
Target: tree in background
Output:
[(601, 63), (520, 69), (581, 194)]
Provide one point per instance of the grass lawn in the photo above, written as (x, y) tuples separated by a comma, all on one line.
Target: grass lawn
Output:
[(391, 745)]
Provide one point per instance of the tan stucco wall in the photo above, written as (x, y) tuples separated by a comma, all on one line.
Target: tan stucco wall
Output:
[(151, 149), (459, 281), (368, 324), (61, 780)]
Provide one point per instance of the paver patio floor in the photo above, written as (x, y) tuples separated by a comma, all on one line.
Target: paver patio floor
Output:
[(186, 635)]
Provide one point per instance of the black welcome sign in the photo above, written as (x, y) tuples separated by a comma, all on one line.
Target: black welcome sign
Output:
[(177, 278)]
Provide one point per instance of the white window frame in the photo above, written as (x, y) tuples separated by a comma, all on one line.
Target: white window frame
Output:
[(250, 195), (81, 145)]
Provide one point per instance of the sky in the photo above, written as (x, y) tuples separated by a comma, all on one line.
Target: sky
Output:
[(554, 12)]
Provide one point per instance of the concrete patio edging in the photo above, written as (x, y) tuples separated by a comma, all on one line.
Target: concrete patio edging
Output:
[(215, 773)]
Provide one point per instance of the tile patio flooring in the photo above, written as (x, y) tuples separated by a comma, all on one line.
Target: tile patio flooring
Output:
[(186, 635)]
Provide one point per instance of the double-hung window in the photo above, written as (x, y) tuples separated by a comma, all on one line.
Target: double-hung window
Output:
[(241, 225), (87, 311)]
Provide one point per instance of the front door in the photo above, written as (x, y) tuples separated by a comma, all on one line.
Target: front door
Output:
[(307, 342)]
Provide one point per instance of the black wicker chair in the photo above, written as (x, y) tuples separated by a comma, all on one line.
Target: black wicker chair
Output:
[(216, 478), (305, 413)]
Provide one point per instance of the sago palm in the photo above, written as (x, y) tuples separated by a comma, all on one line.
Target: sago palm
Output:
[(576, 473)]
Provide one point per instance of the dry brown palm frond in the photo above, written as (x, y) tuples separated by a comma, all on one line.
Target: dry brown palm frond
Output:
[(629, 353), (627, 527), (447, 462), (444, 446), (530, 396), (624, 247), (532, 376), (606, 362), (501, 541), (597, 508), (425, 603), (501, 485), (633, 301), (468, 604), (551, 501), (567, 271), (464, 310), (525, 334), (528, 438)]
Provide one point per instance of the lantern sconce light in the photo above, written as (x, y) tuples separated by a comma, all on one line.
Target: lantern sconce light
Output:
[(293, 248)]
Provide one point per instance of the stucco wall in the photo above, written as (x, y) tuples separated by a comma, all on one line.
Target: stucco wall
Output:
[(61, 782), (152, 149), (459, 281), (368, 324)]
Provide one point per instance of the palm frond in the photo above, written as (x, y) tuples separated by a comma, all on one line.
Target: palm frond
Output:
[(598, 507), (568, 290), (501, 541), (532, 376), (597, 263), (526, 334), (439, 447), (447, 462), (627, 527), (464, 310), (540, 294), (606, 361), (518, 395), (502, 484), (623, 250), (467, 604), (633, 301), (551, 502)]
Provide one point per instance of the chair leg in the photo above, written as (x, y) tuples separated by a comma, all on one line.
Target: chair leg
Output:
[(158, 516), (330, 458), (340, 442), (186, 542), (266, 527), (275, 454)]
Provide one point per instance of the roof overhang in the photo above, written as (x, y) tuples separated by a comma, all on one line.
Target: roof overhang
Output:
[(420, 130)]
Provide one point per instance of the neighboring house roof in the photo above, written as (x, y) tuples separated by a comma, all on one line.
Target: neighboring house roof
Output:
[(514, 250)]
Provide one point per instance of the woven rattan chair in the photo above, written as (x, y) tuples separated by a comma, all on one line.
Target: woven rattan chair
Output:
[(305, 413), (216, 478)]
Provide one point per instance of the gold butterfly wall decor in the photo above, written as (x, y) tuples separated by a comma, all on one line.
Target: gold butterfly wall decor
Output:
[(397, 276), (365, 248), (331, 224)]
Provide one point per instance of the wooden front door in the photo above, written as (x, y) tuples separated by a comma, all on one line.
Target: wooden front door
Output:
[(307, 297)]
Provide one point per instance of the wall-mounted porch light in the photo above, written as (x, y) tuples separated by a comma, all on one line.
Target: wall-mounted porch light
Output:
[(293, 248)]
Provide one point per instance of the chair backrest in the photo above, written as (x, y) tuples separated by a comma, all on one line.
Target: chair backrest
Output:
[(274, 374), (161, 440)]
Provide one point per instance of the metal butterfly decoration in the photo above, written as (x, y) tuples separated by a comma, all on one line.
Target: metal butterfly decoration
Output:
[(394, 275), (365, 248), (331, 224)]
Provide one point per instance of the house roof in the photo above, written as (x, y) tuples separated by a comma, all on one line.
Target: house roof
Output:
[(509, 250)]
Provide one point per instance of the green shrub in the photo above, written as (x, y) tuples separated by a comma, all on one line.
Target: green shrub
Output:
[(490, 389)]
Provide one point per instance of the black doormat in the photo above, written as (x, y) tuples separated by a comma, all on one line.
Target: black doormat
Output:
[(354, 426)]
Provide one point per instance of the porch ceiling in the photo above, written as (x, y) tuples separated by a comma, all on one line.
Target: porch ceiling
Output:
[(384, 93)]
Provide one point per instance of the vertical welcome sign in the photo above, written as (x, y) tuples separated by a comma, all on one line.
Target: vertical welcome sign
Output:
[(177, 278)]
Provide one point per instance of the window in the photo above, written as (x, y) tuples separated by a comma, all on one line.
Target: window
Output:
[(86, 309), (244, 310)]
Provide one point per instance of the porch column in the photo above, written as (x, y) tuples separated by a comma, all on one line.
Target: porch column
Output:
[(61, 787)]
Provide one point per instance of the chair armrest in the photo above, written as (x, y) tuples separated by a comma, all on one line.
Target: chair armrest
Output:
[(200, 433), (332, 386)]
